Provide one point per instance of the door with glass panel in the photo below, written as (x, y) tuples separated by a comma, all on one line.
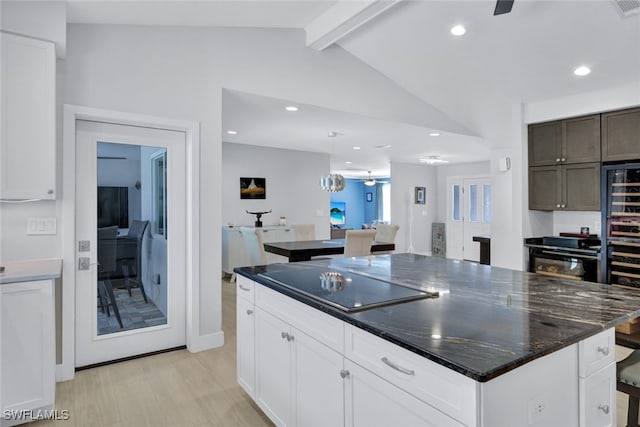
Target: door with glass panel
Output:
[(130, 224), (468, 215)]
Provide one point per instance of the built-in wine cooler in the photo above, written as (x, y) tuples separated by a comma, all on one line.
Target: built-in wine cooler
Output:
[(621, 223)]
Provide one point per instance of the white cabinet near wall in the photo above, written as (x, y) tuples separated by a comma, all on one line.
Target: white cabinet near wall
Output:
[(245, 332), (27, 357), (28, 132)]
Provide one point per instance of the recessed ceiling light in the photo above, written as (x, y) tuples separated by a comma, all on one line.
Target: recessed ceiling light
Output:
[(458, 30), (356, 148), (582, 71), (384, 146), (232, 132), (434, 134), (348, 162), (291, 108)]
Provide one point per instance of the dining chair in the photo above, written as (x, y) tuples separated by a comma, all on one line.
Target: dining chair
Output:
[(628, 382), (386, 233), (107, 245), (358, 242), (254, 245), (304, 231), (132, 262)]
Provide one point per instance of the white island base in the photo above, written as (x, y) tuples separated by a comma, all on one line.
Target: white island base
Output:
[(305, 368)]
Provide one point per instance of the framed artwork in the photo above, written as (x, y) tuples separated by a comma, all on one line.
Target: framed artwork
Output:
[(420, 195), (369, 197), (253, 188)]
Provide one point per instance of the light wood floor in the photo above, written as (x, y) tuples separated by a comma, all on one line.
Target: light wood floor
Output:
[(180, 388), (172, 389)]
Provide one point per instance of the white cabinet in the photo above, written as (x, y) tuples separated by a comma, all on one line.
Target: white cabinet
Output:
[(27, 139), (27, 358), (372, 402), (298, 379), (245, 345), (233, 250), (598, 380)]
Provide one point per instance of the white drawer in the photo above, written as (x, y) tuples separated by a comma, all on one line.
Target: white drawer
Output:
[(245, 288), (596, 352), (450, 392), (324, 328), (597, 398)]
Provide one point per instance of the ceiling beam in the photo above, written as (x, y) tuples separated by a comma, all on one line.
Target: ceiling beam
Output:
[(341, 19)]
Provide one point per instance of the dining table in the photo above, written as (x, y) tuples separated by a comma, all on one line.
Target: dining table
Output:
[(304, 250)]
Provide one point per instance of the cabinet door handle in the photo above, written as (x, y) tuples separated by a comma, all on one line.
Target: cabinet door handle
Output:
[(604, 408), (398, 368), (243, 288), (50, 192), (603, 350), (249, 312), (563, 206), (558, 205), (563, 159), (289, 337), (558, 160), (344, 373), (284, 335)]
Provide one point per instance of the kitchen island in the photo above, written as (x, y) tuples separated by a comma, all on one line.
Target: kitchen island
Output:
[(495, 347)]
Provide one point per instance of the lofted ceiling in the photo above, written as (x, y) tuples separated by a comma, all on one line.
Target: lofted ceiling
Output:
[(477, 79)]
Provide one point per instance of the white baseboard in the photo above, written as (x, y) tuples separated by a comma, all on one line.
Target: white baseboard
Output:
[(206, 342)]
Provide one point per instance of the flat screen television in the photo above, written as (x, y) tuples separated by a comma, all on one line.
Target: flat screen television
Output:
[(113, 207), (337, 213)]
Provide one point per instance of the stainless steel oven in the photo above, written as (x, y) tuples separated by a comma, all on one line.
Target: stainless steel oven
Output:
[(570, 260)]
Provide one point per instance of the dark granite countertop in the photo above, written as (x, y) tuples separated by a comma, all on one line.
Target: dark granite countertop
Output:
[(486, 321)]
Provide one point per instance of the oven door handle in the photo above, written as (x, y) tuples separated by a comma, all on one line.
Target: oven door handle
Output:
[(570, 255)]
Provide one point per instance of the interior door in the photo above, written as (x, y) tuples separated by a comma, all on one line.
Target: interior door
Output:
[(130, 226), (468, 215)]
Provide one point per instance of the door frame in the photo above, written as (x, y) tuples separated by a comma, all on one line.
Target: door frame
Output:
[(72, 113)]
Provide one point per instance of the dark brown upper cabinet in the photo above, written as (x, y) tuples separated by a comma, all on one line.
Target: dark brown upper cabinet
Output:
[(621, 135), (569, 141), (574, 187)]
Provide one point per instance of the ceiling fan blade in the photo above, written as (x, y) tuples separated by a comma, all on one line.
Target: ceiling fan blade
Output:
[(502, 7)]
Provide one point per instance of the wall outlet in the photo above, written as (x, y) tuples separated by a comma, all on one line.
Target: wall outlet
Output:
[(538, 408)]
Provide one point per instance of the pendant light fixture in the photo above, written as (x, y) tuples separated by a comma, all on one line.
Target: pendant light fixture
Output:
[(333, 182)]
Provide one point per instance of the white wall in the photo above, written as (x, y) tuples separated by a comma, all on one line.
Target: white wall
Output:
[(292, 184), (572, 221), (404, 178), (179, 73)]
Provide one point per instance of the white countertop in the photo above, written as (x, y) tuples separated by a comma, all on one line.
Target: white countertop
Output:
[(26, 271)]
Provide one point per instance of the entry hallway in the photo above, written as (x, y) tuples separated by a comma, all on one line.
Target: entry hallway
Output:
[(179, 388)]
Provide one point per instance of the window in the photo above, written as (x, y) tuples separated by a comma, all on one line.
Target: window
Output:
[(473, 203), (486, 211), (456, 203), (386, 202), (159, 192)]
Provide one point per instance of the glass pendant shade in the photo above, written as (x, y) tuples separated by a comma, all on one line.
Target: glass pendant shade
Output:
[(333, 182)]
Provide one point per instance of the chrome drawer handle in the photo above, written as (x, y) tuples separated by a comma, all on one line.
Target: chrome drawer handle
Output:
[(558, 160), (249, 312), (604, 408), (603, 350), (563, 159), (344, 373), (398, 368), (244, 289)]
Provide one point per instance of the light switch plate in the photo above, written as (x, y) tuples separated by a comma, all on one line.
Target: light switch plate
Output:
[(84, 246), (41, 226)]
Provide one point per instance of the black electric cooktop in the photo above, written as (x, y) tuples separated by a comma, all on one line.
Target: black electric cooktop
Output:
[(345, 290)]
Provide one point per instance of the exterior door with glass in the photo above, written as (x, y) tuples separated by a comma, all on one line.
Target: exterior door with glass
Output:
[(468, 215), (130, 226)]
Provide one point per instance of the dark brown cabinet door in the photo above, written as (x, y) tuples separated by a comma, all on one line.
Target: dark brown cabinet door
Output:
[(621, 135), (545, 143), (581, 140), (544, 188), (581, 187)]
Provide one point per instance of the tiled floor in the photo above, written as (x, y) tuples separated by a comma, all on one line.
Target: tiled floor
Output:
[(134, 312)]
